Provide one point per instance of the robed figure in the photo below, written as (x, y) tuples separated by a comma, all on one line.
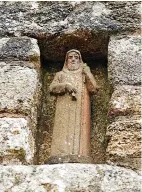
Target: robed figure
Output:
[(71, 131)]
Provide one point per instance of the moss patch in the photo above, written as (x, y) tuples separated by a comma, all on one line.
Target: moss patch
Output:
[(18, 153)]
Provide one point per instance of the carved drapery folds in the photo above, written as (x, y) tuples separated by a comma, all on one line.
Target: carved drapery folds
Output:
[(71, 132)]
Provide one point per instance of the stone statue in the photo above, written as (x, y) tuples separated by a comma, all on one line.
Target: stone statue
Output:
[(71, 132)]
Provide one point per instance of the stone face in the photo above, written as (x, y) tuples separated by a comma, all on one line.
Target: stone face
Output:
[(124, 60), (69, 178), (16, 141), (125, 100), (124, 147)]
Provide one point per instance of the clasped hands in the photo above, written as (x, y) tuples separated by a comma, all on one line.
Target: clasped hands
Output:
[(62, 88)]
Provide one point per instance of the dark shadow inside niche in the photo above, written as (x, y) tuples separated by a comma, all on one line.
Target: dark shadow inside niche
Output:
[(99, 105)]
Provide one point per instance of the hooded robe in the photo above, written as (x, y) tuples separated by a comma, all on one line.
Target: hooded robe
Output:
[(71, 131)]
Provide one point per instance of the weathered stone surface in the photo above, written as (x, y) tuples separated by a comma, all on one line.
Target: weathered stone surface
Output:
[(22, 48), (61, 26), (124, 129), (91, 44), (125, 100), (124, 147), (19, 97), (124, 60), (19, 88), (53, 17), (20, 57), (16, 141), (69, 178)]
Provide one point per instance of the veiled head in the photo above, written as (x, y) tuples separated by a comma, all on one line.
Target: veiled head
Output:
[(73, 60)]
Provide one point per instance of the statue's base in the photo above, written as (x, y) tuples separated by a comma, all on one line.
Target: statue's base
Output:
[(69, 159)]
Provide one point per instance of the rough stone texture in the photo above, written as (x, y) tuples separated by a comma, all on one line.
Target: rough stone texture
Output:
[(19, 79), (52, 17), (18, 88), (124, 130), (125, 100), (69, 178), (99, 109), (61, 26), (92, 45), (46, 120), (16, 141), (124, 71), (124, 146), (19, 98), (22, 48), (124, 60)]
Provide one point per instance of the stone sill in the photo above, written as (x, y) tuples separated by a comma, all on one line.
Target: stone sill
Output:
[(68, 178)]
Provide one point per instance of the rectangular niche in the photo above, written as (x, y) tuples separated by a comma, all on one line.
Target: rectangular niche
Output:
[(99, 107)]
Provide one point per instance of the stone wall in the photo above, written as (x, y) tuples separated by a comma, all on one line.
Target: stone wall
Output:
[(34, 31), (19, 99), (124, 69)]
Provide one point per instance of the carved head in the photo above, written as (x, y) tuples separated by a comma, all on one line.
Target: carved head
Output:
[(73, 60)]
